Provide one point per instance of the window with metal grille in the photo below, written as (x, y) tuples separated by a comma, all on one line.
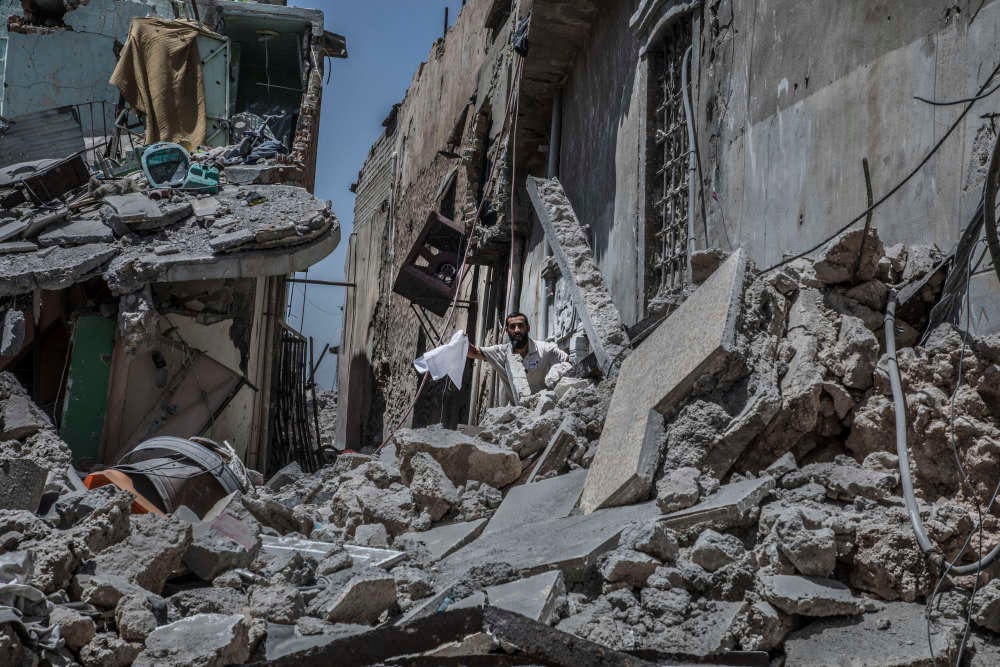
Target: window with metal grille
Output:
[(667, 168)]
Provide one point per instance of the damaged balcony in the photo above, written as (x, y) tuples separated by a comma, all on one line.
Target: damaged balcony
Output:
[(145, 238)]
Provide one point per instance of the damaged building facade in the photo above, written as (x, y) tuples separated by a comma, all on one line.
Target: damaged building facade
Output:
[(757, 229), (592, 92), (144, 263)]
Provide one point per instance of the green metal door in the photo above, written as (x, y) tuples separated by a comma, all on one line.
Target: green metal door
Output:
[(86, 399)]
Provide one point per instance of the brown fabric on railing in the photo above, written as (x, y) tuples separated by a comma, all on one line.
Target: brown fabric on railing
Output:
[(159, 74)]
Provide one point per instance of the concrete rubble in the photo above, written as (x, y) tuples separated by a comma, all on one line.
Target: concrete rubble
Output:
[(769, 526)]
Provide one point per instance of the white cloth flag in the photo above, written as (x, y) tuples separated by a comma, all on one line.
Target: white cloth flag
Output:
[(449, 359)]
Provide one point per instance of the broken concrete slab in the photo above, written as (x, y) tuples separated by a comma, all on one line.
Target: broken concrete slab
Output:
[(364, 598), (462, 458), (598, 314), (149, 554), (572, 544), (536, 597), (210, 640), (137, 211), (731, 505), (810, 596), (21, 418), (77, 232), (443, 540), (22, 483), (284, 639), (895, 636), (551, 498), (697, 338), (553, 457), (361, 556), (227, 537)]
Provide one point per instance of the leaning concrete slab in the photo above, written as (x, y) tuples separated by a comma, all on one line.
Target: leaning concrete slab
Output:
[(730, 506), (695, 339), (443, 540), (572, 544), (535, 597), (530, 503), (601, 319)]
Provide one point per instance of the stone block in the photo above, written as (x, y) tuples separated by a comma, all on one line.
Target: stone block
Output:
[(150, 554), (572, 544), (731, 505), (363, 599), (227, 537), (462, 458), (17, 247), (584, 280), (552, 498), (554, 456), (810, 596), (443, 540), (21, 418), (202, 639), (696, 339), (536, 597), (22, 482), (10, 228)]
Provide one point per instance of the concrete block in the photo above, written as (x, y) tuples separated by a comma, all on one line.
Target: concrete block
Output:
[(536, 597), (361, 556), (554, 456), (364, 599), (443, 540), (564, 232), (706, 631), (150, 554), (462, 458), (572, 544), (21, 418), (202, 639), (552, 498), (228, 537), (810, 596), (895, 636), (22, 482), (696, 339), (731, 505)]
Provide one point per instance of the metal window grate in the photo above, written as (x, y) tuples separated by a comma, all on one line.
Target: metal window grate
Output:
[(666, 249)]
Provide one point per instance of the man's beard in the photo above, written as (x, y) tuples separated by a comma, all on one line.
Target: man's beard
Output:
[(518, 340)]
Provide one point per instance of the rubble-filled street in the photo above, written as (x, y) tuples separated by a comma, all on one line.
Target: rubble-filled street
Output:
[(667, 333), (740, 551)]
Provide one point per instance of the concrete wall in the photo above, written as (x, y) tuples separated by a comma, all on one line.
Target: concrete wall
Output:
[(67, 66), (784, 129)]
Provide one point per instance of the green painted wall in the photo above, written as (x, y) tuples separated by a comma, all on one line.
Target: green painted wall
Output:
[(87, 387)]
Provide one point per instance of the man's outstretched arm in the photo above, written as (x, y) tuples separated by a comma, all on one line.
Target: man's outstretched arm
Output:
[(475, 353)]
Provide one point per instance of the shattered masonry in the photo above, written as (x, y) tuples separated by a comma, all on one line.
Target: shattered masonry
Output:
[(718, 478)]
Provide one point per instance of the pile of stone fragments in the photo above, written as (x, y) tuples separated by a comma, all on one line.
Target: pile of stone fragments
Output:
[(774, 530)]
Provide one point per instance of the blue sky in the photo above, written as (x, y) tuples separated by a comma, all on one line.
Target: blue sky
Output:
[(386, 41)]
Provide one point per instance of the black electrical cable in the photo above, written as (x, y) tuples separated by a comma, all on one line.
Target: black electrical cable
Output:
[(937, 145), (964, 100)]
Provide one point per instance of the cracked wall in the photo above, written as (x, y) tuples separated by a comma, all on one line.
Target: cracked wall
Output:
[(54, 67)]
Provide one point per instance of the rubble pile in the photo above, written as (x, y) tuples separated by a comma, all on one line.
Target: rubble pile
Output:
[(774, 522)]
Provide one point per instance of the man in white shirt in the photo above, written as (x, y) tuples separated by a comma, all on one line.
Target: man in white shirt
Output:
[(542, 363)]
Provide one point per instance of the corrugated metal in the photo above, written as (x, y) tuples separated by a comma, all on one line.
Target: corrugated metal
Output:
[(55, 133)]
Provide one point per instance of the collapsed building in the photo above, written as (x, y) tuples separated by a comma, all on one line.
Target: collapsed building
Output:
[(143, 298), (778, 443)]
